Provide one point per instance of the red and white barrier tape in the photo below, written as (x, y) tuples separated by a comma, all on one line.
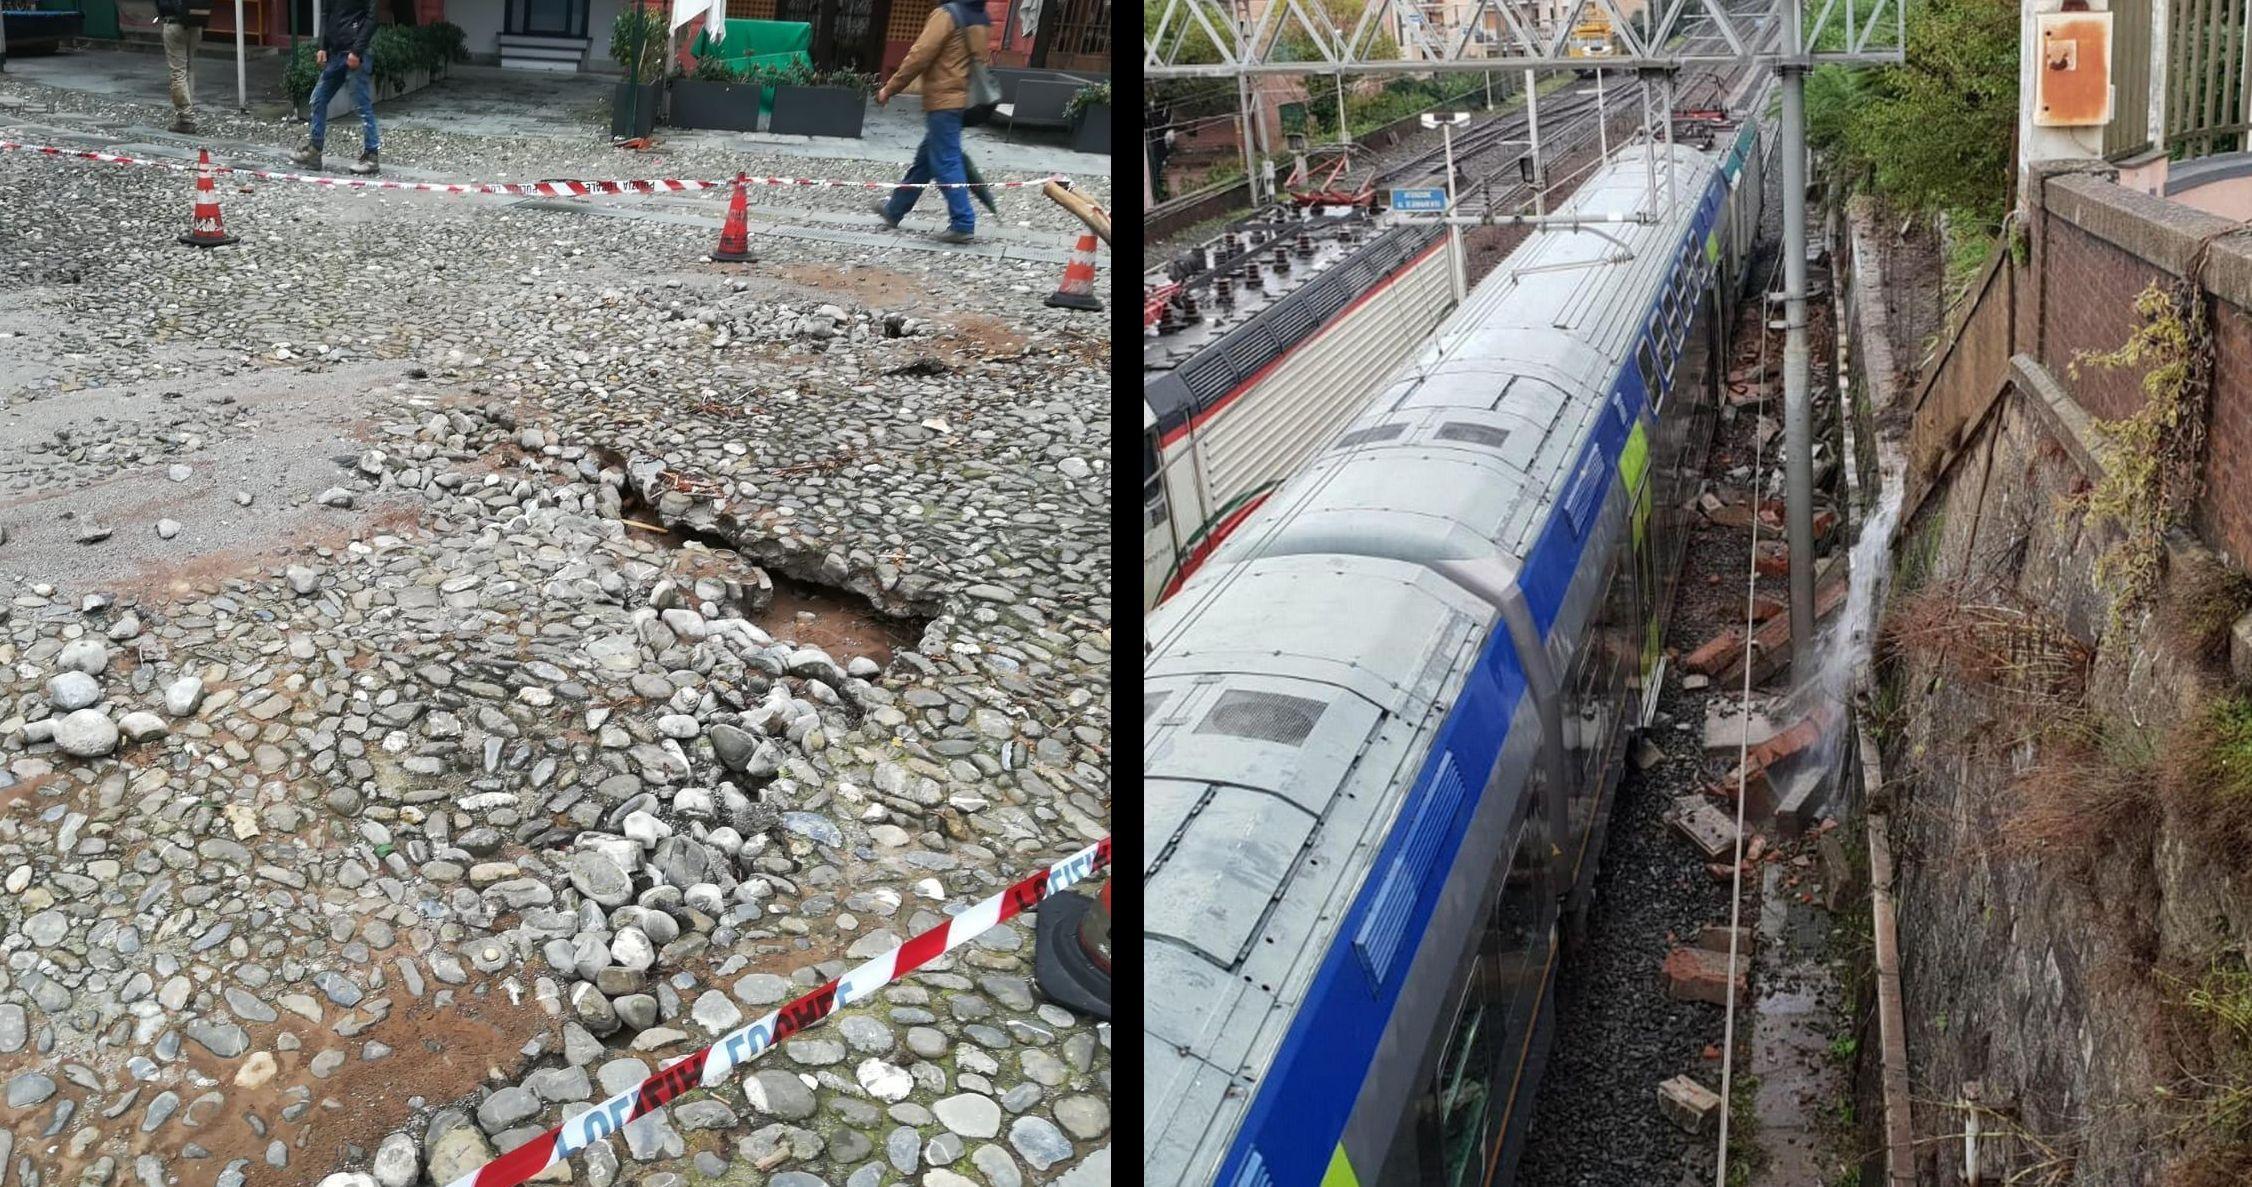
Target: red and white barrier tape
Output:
[(711, 1065), (532, 189)]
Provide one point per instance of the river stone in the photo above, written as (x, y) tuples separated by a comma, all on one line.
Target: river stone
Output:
[(83, 655), (28, 1089), (885, 1082), (397, 1162), (1085, 1117), (599, 878), (86, 734), (141, 726), (762, 989), (970, 1115), (779, 1094), (73, 690), (181, 698), (454, 1146), (1041, 1143)]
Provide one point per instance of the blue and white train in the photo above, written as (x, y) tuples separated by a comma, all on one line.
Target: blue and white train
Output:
[(1381, 726)]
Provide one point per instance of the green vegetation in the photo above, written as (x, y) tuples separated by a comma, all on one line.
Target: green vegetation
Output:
[(2204, 597), (1935, 132), (2215, 1011), (1084, 98), (396, 52), (1843, 1047), (2209, 778), (2153, 459), (642, 30), (1746, 1157)]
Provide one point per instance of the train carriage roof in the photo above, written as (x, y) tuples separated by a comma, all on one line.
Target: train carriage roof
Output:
[(1295, 682)]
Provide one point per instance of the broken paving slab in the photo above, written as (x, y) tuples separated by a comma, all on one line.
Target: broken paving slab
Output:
[(1692, 1107), (1707, 827), (1729, 726)]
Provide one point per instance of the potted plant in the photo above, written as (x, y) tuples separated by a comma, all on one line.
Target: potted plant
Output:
[(833, 103), (406, 59), (1089, 113), (716, 95), (640, 42)]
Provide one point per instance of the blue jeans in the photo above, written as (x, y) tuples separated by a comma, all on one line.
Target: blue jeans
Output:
[(363, 96), (939, 159)]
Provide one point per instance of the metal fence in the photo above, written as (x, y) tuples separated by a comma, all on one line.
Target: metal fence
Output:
[(2206, 76)]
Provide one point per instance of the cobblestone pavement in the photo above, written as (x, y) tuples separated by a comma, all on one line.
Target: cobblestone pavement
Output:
[(456, 656)]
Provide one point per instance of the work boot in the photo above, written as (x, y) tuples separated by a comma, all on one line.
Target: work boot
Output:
[(308, 155), (882, 208), (184, 124), (366, 164), (950, 235)]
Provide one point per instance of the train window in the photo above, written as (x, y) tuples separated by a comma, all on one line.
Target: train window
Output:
[(1359, 437), (1652, 381), (1153, 485)]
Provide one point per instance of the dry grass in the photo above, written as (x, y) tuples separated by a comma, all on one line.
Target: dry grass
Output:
[(2088, 793), (2208, 778), (2211, 1016), (2203, 599), (2218, 1166), (2013, 655)]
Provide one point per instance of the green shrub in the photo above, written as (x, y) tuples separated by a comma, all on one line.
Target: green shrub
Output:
[(713, 69), (852, 80), (646, 29), (397, 52), (1085, 98)]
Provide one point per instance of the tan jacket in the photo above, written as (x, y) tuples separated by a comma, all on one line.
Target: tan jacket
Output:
[(938, 60)]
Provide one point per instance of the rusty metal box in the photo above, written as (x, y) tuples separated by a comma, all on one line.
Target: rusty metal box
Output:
[(2072, 79)]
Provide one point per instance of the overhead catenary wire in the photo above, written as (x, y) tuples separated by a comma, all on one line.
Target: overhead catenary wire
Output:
[(1743, 753)]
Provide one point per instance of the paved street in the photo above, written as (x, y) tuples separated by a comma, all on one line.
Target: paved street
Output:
[(460, 653)]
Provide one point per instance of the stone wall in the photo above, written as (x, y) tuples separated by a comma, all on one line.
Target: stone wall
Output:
[(2038, 976)]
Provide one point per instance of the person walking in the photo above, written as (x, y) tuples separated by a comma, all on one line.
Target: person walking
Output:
[(343, 58), (183, 25), (952, 38)]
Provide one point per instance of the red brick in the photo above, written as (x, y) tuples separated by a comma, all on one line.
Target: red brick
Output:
[(1702, 975), (1718, 652)]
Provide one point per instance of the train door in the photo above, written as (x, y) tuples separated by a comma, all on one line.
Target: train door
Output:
[(1473, 1101)]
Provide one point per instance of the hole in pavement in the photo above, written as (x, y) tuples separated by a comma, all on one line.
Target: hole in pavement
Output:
[(807, 613)]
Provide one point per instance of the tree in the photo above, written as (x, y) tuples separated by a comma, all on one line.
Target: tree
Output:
[(1936, 132)]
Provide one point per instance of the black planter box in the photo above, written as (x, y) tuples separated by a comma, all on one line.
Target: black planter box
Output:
[(642, 108), (818, 111), (719, 106), (1092, 133), (31, 33)]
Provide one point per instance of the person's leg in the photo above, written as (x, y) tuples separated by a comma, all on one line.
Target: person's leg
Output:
[(909, 189), (178, 52), (945, 140), (192, 36), (363, 96), (324, 89)]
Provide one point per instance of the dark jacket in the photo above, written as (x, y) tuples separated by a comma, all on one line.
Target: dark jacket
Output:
[(194, 12), (940, 57), (351, 26)]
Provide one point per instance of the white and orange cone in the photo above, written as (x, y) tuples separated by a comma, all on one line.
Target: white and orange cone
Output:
[(1078, 289), (735, 234), (207, 229)]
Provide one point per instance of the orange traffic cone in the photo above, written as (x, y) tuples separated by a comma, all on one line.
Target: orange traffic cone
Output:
[(1078, 289), (735, 237), (206, 229)]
